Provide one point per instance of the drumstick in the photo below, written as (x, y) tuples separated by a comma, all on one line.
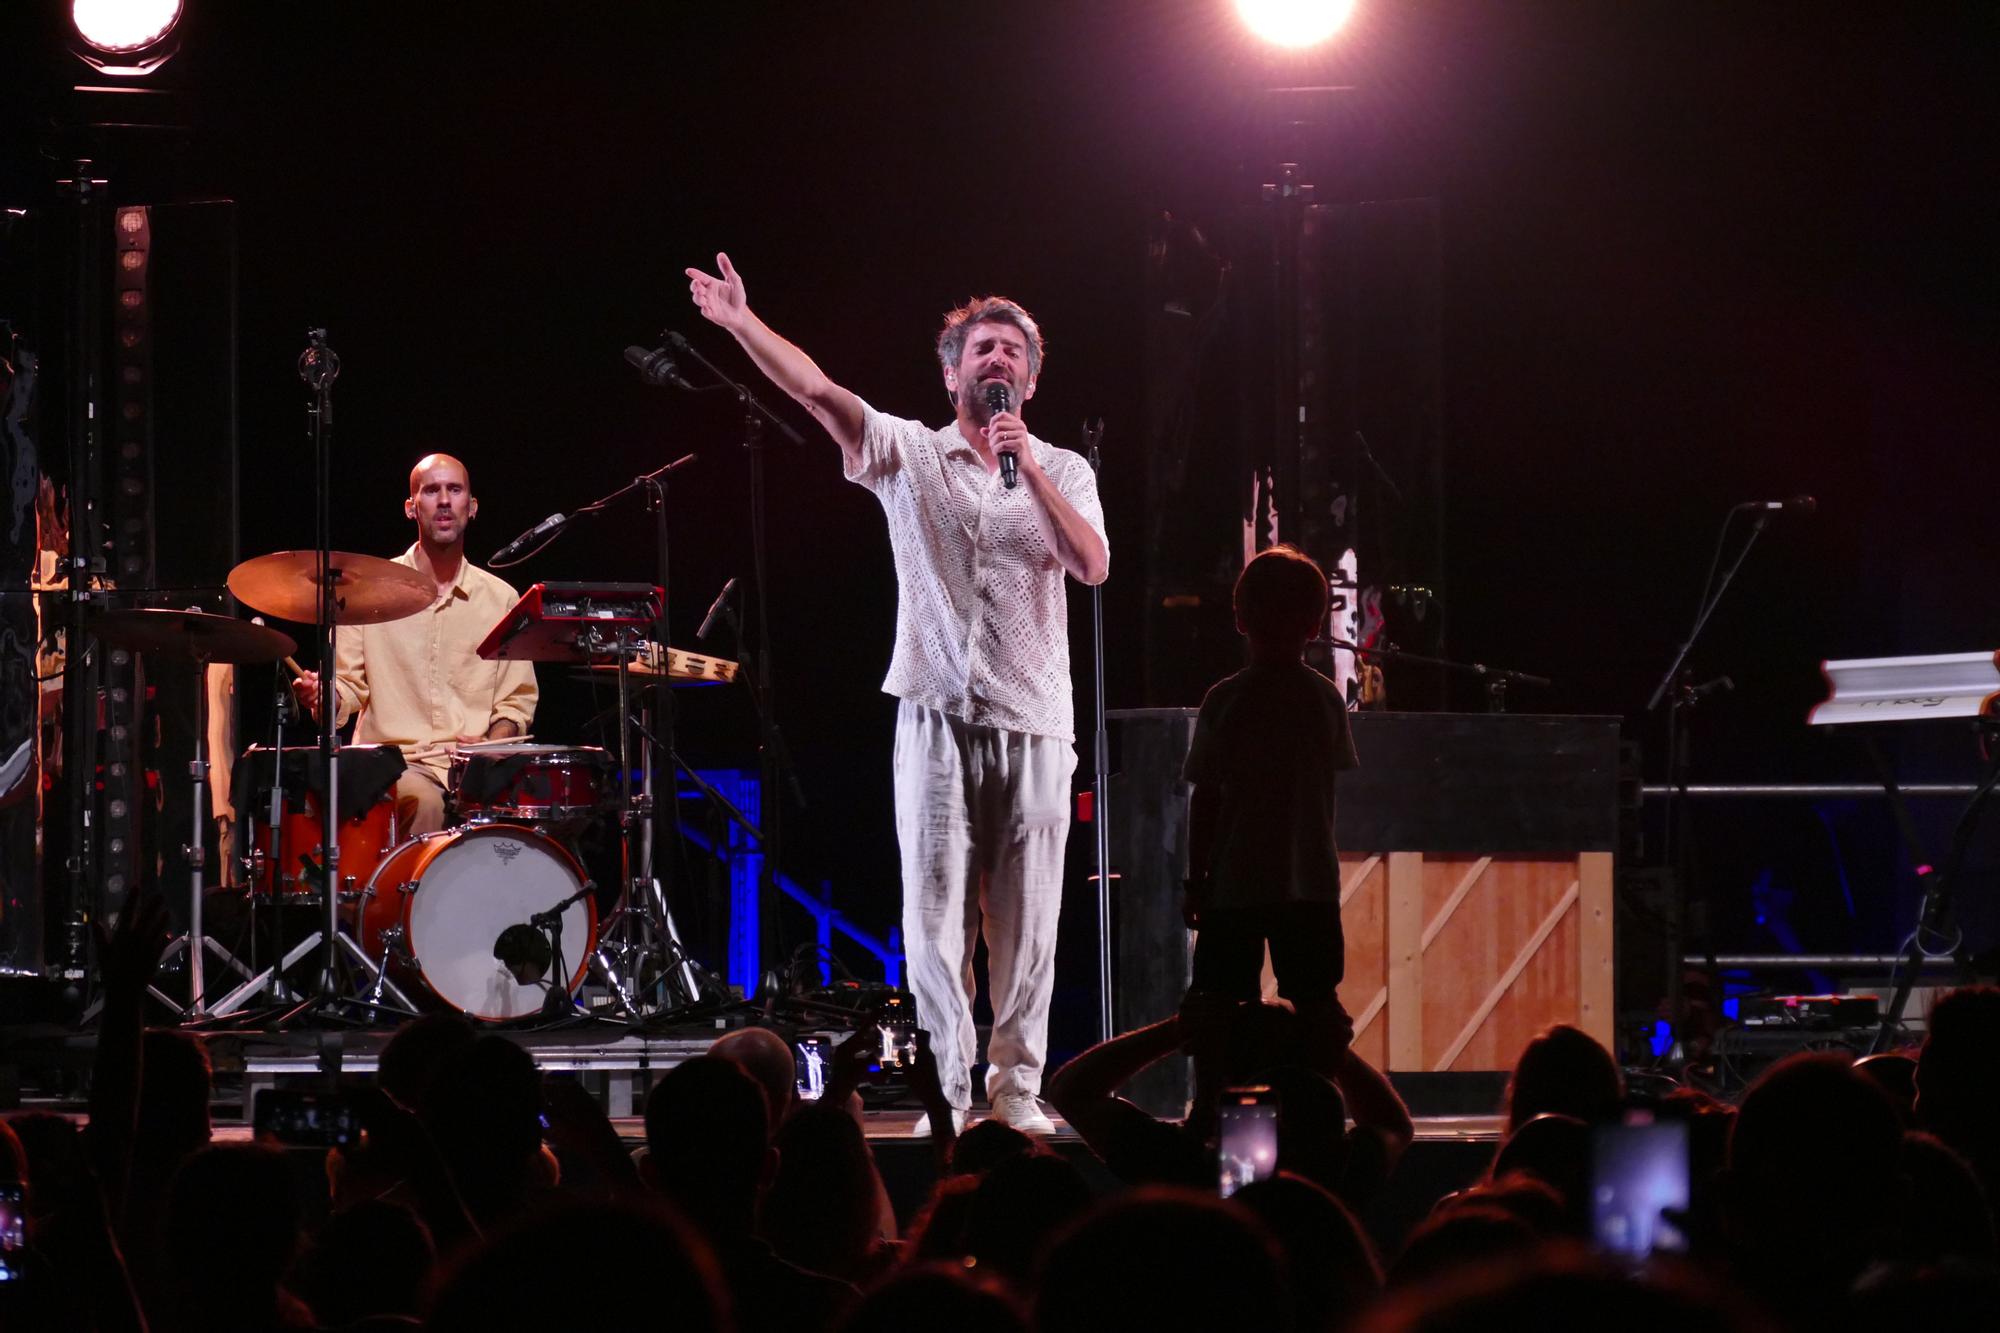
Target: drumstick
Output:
[(298, 670)]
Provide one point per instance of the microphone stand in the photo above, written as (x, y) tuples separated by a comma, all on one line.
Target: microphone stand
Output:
[(1682, 697), (1497, 678), (558, 1003), (775, 769), (637, 837), (319, 367), (1101, 767)]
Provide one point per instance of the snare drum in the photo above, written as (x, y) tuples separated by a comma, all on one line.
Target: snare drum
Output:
[(555, 788), (445, 898)]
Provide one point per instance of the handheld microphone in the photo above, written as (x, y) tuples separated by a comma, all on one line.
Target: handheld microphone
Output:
[(715, 610), (657, 366), (1000, 399), (528, 538), (1801, 504)]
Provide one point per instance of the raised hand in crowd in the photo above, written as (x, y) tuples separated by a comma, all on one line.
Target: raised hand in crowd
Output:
[(581, 1132), (127, 956), (399, 1148)]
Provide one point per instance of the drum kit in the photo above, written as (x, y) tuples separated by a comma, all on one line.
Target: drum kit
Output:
[(494, 916)]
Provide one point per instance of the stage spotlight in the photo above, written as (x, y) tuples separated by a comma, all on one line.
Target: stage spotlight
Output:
[(126, 38), (1294, 23)]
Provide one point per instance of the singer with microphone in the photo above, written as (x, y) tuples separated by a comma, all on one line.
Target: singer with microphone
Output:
[(985, 521), (419, 682)]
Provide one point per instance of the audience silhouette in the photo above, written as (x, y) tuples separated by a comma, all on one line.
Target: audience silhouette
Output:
[(485, 1194)]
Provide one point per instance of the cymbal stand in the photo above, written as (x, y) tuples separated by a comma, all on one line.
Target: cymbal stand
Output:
[(196, 941), (319, 368), (256, 860)]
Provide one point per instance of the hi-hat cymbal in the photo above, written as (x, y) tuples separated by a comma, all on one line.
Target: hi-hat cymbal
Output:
[(367, 589), (190, 634)]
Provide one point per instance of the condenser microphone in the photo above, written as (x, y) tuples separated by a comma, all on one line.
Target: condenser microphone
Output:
[(656, 366), (528, 538), (1000, 399), (715, 611)]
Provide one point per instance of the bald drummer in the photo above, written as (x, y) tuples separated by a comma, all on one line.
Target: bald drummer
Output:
[(419, 682)]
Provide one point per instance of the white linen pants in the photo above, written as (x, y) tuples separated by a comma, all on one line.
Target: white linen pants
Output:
[(982, 816)]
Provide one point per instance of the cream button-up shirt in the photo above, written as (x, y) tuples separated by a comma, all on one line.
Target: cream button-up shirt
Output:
[(419, 683), (982, 617)]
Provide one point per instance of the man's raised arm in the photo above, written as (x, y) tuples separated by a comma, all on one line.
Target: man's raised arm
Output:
[(722, 302)]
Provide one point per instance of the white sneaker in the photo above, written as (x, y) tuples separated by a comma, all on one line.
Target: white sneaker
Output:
[(922, 1129), (1022, 1110)]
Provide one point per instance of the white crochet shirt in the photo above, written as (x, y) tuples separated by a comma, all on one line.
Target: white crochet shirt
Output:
[(982, 618)]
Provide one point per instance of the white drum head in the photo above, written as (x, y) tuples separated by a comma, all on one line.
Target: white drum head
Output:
[(488, 878)]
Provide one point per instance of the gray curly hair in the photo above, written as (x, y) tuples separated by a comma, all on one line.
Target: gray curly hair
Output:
[(982, 310)]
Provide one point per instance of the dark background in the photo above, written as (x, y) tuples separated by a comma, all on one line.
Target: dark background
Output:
[(1694, 253)]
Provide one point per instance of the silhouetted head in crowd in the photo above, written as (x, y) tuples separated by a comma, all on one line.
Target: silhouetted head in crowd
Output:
[(1950, 1297), (1813, 1180), (935, 1298), (173, 1099), (1555, 1150), (1464, 1233), (1958, 1078), (483, 1109), (576, 1264), (937, 1232), (1947, 1214), (1231, 1043), (1527, 1197), (417, 1051), (707, 1148), (767, 1059), (1895, 1072), (1565, 1071), (1160, 1258), (1018, 1208), (1261, 1036), (1333, 1267), (985, 1145), (1560, 1288), (822, 1209), (1312, 1124), (231, 1229), (372, 1259), (51, 1147)]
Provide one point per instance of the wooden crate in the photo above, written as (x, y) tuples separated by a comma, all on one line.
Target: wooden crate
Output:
[(1455, 961)]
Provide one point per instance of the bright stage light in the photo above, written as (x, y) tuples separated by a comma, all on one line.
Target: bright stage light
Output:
[(122, 27), (1294, 23)]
